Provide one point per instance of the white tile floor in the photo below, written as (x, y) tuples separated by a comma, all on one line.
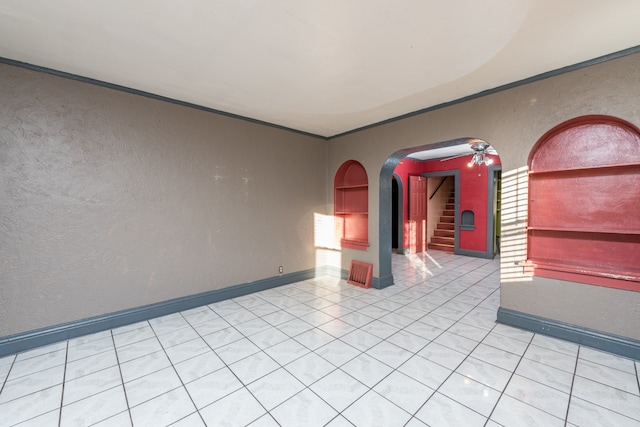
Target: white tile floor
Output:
[(424, 352)]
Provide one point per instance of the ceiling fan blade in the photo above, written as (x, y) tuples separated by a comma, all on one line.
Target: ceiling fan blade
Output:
[(455, 157)]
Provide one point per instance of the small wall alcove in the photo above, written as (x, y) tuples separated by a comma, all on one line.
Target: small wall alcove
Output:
[(468, 220), (351, 205)]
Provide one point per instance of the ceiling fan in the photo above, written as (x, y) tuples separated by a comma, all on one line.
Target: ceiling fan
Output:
[(479, 153)]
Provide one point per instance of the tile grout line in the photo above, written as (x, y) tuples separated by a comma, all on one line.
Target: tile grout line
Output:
[(433, 340), (6, 379), (443, 331), (214, 352), (636, 364), (449, 376), (124, 390), (183, 385), (573, 379), (311, 351), (364, 352), (603, 384), (164, 350), (64, 380), (37, 391), (510, 378), (336, 368), (469, 354), (224, 363)]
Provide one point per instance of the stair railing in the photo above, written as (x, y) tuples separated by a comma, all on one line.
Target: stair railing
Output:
[(438, 187)]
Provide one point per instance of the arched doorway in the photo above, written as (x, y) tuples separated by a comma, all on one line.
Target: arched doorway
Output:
[(388, 200), (397, 229)]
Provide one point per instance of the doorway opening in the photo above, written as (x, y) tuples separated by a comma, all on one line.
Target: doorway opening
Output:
[(442, 208), (474, 188), (394, 215), (397, 215), (496, 205)]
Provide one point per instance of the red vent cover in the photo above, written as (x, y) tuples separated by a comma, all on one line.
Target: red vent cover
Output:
[(360, 274)]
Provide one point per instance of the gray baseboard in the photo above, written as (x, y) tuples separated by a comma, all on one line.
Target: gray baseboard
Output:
[(476, 254), (382, 282), (615, 344), (36, 338)]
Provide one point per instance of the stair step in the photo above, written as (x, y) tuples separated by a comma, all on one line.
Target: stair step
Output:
[(445, 226), (443, 240), (444, 233), (440, 247)]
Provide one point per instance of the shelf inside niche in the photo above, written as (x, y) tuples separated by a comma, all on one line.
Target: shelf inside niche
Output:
[(354, 187), (584, 230), (591, 169)]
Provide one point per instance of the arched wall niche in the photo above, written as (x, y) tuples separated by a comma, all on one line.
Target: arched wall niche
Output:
[(584, 196), (586, 142), (351, 208)]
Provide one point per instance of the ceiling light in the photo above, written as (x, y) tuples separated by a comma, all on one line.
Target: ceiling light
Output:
[(479, 158)]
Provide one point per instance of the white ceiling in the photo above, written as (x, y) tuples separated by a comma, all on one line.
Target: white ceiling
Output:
[(456, 149), (322, 67)]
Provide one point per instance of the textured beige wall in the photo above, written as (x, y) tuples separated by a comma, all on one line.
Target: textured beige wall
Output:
[(512, 121), (110, 200)]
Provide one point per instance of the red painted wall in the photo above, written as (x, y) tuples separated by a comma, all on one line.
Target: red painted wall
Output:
[(473, 194)]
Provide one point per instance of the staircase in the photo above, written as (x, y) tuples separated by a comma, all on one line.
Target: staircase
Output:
[(444, 234)]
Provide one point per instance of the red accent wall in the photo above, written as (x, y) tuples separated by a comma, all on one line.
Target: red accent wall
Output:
[(473, 194)]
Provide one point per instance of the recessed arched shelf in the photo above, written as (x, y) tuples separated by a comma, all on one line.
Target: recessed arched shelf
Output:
[(584, 197), (351, 205), (468, 220)]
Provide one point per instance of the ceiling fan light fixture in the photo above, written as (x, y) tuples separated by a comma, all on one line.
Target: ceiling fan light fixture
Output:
[(480, 159)]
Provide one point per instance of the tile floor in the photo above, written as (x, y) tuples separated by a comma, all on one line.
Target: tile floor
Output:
[(425, 352)]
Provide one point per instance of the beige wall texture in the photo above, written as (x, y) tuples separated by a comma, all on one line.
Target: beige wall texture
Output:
[(512, 121), (110, 200)]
